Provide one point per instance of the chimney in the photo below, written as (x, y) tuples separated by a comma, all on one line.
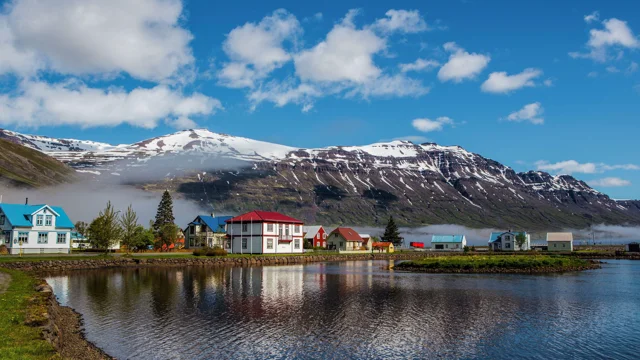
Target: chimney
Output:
[(26, 201), (213, 214)]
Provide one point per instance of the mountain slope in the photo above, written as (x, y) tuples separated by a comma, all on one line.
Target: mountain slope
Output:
[(418, 184), (22, 166)]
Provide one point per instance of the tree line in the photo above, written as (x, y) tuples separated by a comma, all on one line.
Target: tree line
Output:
[(112, 227)]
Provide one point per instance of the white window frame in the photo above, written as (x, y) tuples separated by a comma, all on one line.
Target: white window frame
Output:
[(64, 240), (24, 237), (269, 244), (48, 220), (245, 227), (296, 244), (39, 220), (297, 229), (46, 238), (270, 227)]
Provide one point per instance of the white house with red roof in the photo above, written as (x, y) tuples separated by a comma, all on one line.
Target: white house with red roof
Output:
[(345, 239), (264, 232)]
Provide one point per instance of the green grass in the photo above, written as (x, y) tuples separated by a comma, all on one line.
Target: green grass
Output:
[(19, 341), (478, 262)]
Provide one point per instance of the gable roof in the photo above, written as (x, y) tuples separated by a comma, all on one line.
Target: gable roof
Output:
[(264, 216), (216, 224), (496, 235), (348, 234), (18, 215), (560, 236), (310, 231), (382, 244), (447, 238)]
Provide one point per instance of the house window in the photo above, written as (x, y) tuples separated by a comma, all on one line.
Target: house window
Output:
[(2, 218), (324, 236), (39, 219), (245, 227), (297, 229), (296, 244), (227, 244), (62, 238), (7, 237), (270, 227), (564, 245), (341, 244), (270, 244), (23, 237), (507, 246), (43, 238), (48, 220), (244, 243)]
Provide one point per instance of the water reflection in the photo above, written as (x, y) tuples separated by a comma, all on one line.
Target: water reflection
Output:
[(349, 310)]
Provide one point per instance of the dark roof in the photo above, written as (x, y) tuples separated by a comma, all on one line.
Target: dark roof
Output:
[(348, 234), (381, 244), (216, 224), (264, 216)]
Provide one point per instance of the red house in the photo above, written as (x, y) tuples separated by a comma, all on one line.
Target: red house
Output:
[(264, 232), (315, 235)]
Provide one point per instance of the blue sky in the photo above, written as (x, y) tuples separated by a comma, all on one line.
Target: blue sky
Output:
[(542, 85)]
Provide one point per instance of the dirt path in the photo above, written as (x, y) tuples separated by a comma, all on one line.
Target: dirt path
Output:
[(5, 279)]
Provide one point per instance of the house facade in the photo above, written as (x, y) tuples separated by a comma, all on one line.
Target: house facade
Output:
[(560, 241), (506, 241), (315, 235), (206, 230), (344, 239), (264, 232), (383, 246), (35, 229), (448, 242)]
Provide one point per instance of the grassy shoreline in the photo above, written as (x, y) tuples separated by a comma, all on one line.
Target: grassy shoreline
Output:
[(20, 305), (498, 264)]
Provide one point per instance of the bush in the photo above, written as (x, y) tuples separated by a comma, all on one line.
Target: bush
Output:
[(465, 249), (473, 248), (3, 250), (199, 252), (216, 251)]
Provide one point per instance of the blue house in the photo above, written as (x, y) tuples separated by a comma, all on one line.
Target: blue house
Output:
[(448, 242), (206, 230), (35, 229)]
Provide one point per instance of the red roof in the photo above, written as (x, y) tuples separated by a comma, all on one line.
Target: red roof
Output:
[(381, 244), (264, 216), (348, 234)]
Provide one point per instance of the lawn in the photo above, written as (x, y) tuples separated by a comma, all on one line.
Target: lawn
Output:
[(19, 341), (498, 262)]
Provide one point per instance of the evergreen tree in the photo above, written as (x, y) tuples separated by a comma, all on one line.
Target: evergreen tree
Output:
[(129, 224), (164, 215), (105, 230), (391, 233)]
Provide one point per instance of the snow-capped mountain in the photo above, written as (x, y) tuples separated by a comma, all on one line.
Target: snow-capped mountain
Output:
[(419, 183)]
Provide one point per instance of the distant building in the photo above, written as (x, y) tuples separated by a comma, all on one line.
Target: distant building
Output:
[(344, 239), (448, 242), (79, 241), (264, 232), (383, 246), (315, 235), (632, 247), (36, 229), (206, 230), (506, 241), (560, 241)]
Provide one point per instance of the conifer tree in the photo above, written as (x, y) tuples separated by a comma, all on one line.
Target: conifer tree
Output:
[(164, 216), (391, 233)]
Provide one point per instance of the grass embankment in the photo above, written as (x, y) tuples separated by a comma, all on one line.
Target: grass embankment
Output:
[(21, 305), (498, 264)]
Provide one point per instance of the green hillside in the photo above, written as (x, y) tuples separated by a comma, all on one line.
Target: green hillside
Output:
[(21, 166)]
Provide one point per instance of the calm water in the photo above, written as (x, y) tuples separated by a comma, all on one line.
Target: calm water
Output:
[(356, 310)]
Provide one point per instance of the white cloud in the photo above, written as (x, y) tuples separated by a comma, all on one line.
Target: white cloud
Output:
[(428, 125), (75, 104), (548, 82), (531, 112), (500, 82), (616, 33), (633, 67), (419, 65), (183, 123), (390, 86), (612, 69), (610, 182), (404, 21), (257, 49), (283, 93), (572, 166), (413, 138), (462, 65), (594, 16), (142, 38), (592, 74)]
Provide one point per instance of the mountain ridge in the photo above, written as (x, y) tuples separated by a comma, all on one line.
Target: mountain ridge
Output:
[(418, 183)]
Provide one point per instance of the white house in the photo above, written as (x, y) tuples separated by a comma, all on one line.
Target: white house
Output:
[(35, 229), (448, 242), (560, 241), (264, 232), (506, 241)]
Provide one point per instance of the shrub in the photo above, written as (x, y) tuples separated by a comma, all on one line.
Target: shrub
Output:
[(199, 252), (3, 250), (473, 248), (465, 249), (216, 251)]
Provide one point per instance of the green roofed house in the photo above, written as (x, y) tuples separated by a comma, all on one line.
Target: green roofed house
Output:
[(35, 229), (506, 241), (448, 242)]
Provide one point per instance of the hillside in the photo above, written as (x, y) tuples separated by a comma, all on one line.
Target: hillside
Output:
[(22, 166), (363, 185)]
